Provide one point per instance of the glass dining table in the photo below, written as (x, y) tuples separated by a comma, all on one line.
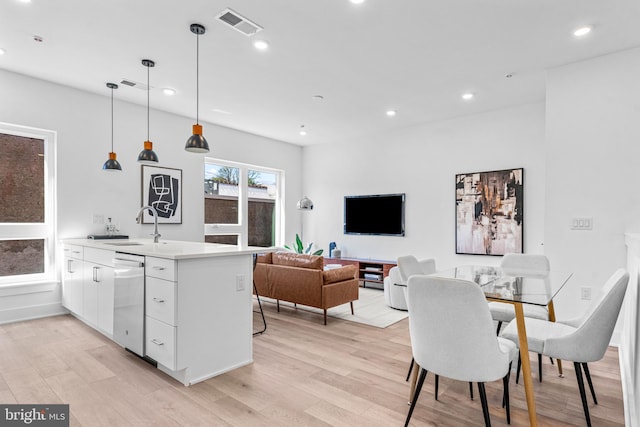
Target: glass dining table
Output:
[(516, 287)]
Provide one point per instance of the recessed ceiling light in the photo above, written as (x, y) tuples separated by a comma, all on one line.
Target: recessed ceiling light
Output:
[(391, 113), (24, 1), (217, 110), (467, 96), (357, 1), (582, 31), (261, 44), (168, 91), (2, 51), (303, 132)]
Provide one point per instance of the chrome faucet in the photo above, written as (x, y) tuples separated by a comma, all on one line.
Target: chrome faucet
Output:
[(155, 221)]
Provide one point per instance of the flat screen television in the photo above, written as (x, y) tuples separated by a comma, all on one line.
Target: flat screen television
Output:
[(380, 214)]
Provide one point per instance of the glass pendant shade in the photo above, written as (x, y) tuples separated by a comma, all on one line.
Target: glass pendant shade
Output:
[(197, 143), (147, 155), (305, 204), (112, 165)]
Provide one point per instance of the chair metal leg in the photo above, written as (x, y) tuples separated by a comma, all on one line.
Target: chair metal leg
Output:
[(485, 407), (471, 390), (264, 321), (351, 303), (413, 361), (423, 375), (499, 326), (583, 395), (588, 375), (437, 385), (325, 316), (255, 290), (278, 305), (518, 369), (505, 396), (539, 367)]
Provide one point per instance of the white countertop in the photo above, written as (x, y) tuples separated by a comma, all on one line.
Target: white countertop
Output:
[(171, 249)]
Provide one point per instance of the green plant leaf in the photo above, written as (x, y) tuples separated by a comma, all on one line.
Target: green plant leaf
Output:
[(318, 252), (299, 246)]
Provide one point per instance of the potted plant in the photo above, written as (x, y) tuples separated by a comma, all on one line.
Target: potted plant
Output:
[(299, 248)]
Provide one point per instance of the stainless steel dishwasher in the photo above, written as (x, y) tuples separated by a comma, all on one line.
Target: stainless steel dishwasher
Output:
[(128, 305)]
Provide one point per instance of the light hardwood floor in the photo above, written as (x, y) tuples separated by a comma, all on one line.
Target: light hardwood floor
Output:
[(304, 374)]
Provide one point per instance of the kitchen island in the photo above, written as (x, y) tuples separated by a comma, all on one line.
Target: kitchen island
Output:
[(196, 301)]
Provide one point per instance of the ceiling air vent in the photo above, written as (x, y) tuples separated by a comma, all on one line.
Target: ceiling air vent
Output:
[(131, 83), (239, 22)]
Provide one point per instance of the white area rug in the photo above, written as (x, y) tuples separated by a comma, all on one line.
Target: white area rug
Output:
[(369, 309)]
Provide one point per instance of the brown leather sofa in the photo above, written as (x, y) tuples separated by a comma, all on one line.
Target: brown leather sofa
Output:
[(301, 279)]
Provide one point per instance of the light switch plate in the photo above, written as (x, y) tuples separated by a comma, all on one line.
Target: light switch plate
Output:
[(582, 223)]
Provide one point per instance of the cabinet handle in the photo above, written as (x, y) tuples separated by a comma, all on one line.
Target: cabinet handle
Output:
[(156, 342), (95, 274), (69, 266), (158, 268), (76, 252), (158, 300)]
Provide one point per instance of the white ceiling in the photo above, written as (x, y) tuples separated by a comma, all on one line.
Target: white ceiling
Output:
[(415, 56)]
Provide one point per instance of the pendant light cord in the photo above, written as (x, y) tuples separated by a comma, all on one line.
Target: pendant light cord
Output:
[(148, 90), (197, 78), (112, 120)]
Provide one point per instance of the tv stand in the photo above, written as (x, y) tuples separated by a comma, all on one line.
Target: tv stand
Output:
[(370, 272)]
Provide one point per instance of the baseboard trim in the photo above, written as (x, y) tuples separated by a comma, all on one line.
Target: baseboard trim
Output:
[(32, 312)]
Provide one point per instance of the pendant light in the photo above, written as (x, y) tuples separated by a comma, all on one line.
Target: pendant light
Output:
[(148, 156), (112, 165), (197, 142)]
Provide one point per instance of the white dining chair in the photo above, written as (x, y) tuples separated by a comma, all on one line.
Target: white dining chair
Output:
[(580, 340), (408, 266), (452, 335), (514, 264)]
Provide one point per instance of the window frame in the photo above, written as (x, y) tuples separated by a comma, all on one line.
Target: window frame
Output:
[(241, 229), (43, 230)]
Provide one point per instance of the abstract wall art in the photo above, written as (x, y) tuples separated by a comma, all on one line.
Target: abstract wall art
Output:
[(162, 189), (489, 212)]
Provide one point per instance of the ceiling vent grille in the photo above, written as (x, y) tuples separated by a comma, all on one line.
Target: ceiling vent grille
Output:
[(239, 22), (131, 83)]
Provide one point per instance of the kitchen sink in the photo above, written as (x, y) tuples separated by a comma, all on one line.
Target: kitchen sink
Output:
[(123, 243)]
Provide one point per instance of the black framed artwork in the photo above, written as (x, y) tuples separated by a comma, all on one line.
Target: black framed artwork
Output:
[(489, 212), (162, 189)]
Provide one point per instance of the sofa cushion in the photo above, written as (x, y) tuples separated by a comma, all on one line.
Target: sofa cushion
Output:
[(339, 274), (291, 259), (265, 258)]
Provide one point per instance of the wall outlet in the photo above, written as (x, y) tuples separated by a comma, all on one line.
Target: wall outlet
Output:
[(585, 293), (241, 281), (98, 219)]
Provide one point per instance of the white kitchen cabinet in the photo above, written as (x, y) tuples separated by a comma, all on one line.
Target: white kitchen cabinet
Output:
[(98, 286), (72, 288)]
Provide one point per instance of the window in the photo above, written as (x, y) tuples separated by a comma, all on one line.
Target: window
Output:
[(242, 204), (27, 177)]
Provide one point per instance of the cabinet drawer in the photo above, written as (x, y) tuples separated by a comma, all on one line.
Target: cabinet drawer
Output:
[(73, 251), (160, 342), (161, 268), (160, 300), (99, 256)]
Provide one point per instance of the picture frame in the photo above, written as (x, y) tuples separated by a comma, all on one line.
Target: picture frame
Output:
[(490, 212), (162, 189)]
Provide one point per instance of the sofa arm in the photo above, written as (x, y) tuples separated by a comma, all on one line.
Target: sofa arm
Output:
[(346, 272), (339, 293)]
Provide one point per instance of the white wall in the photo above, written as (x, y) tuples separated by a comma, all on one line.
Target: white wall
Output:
[(82, 121), (592, 157), (422, 162)]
